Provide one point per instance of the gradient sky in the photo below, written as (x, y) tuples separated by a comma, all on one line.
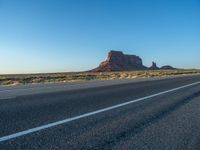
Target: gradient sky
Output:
[(76, 35)]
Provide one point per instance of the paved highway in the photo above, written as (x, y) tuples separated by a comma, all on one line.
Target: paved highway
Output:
[(148, 114)]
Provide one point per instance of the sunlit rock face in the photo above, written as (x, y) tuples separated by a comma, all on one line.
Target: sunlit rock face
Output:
[(117, 61)]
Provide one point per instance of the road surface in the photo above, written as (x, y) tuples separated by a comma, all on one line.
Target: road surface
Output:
[(147, 114)]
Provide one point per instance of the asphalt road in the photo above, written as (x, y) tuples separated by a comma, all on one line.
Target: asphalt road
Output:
[(150, 114), (28, 89)]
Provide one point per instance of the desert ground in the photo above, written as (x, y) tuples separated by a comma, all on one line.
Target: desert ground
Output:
[(8, 80)]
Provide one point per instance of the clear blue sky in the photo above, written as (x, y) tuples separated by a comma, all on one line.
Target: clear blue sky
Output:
[(75, 35)]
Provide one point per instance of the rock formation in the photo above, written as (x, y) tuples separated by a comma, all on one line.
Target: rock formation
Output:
[(117, 61), (154, 66), (167, 68)]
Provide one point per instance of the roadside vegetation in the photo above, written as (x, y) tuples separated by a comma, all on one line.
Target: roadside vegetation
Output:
[(8, 80)]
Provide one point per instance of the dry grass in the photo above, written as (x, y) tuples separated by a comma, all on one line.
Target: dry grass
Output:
[(85, 76)]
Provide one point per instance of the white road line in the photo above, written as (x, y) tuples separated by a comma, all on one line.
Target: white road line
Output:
[(29, 131)]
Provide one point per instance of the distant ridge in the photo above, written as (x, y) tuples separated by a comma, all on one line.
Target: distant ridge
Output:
[(117, 61)]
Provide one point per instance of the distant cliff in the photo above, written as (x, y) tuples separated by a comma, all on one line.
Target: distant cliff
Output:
[(117, 61)]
